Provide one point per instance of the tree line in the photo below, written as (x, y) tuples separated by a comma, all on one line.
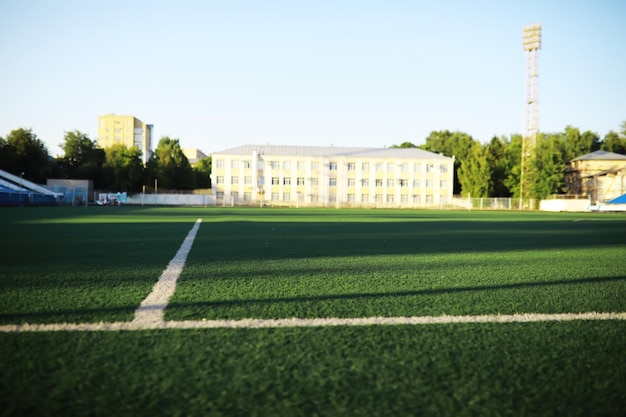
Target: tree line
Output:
[(481, 170), (493, 169), (116, 168)]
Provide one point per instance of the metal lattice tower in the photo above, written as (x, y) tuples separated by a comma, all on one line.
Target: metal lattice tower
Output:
[(532, 44)]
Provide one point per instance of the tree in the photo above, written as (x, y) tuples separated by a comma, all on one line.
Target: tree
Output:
[(498, 166), (23, 154), (172, 166), (474, 173), (404, 145), (550, 166), (513, 155), (125, 166), (83, 159), (614, 143), (202, 172)]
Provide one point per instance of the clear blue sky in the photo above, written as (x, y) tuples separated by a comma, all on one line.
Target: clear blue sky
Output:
[(218, 74)]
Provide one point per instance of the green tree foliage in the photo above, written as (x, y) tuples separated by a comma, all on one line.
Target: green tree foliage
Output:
[(83, 159), (475, 173), (202, 172), (495, 153), (404, 145), (173, 168), (550, 166), (124, 167), (614, 143), (513, 155), (23, 153)]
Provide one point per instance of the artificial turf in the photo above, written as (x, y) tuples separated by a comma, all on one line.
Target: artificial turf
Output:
[(515, 369), (97, 264)]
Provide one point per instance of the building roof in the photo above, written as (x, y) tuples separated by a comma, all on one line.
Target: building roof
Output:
[(333, 151), (601, 156)]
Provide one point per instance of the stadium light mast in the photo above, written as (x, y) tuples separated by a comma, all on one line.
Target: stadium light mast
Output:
[(532, 44)]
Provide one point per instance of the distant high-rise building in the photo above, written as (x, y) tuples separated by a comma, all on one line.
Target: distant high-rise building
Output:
[(125, 130)]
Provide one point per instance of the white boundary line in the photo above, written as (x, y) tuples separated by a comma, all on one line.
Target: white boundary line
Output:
[(315, 322), (150, 314)]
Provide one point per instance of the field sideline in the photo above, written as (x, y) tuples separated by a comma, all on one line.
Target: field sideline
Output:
[(553, 280)]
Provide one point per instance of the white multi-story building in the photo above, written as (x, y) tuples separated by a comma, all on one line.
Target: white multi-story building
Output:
[(331, 177)]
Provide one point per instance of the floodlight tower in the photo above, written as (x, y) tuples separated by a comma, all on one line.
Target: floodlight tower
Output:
[(532, 44)]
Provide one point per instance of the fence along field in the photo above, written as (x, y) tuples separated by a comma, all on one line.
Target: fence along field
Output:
[(262, 268)]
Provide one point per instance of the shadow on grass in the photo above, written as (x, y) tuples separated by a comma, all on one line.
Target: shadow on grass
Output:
[(75, 315), (426, 292)]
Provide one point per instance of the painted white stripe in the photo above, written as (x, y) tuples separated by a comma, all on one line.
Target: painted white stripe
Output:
[(152, 308), (319, 322)]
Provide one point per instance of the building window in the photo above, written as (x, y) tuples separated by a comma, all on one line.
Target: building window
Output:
[(389, 198), (333, 166), (314, 166), (300, 181), (351, 182), (379, 198), (314, 198), (365, 182), (389, 183), (443, 184), (235, 196), (247, 165), (247, 180), (417, 168), (430, 168), (274, 164), (365, 198), (274, 196), (403, 183), (404, 199), (300, 166), (430, 199), (247, 196), (219, 163), (416, 183), (219, 180), (332, 198), (350, 198), (220, 195), (379, 167), (261, 181), (404, 167), (234, 164), (429, 183), (351, 166), (314, 182), (416, 199), (286, 197), (287, 181), (390, 167), (275, 181), (379, 182), (234, 180), (287, 165), (332, 182), (443, 168), (365, 166)]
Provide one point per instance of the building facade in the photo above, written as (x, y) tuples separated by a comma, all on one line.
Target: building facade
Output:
[(303, 176), (125, 130), (598, 175)]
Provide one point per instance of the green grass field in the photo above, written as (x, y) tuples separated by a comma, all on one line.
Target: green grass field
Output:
[(97, 264)]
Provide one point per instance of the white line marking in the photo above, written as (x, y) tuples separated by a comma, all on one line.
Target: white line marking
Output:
[(152, 308), (319, 322)]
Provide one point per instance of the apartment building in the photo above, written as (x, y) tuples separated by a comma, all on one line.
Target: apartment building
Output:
[(126, 130), (308, 176)]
